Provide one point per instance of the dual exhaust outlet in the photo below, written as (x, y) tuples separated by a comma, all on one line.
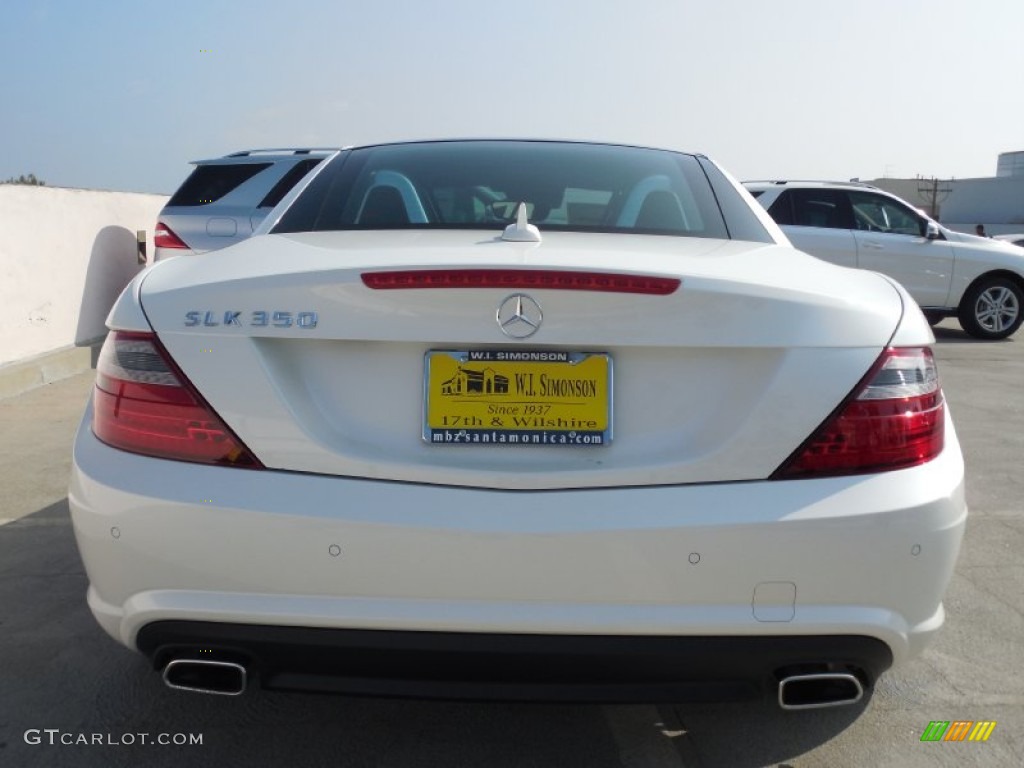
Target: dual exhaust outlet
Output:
[(225, 678), (820, 689), (795, 692)]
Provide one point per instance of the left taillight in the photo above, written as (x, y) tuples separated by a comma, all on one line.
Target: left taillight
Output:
[(144, 404), (894, 419), (164, 237)]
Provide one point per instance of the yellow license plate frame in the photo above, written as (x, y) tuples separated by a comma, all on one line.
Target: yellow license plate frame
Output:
[(517, 397)]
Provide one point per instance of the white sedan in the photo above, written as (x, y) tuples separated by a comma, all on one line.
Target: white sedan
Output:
[(519, 419)]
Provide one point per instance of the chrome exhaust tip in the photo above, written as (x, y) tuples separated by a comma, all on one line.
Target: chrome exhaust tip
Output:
[(224, 678), (814, 691)]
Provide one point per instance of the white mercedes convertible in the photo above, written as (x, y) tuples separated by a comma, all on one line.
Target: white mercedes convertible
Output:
[(520, 420)]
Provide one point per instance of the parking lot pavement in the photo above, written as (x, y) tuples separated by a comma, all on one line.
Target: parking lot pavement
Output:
[(36, 430), (58, 671)]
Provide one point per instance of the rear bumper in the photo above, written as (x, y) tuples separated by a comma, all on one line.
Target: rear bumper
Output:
[(169, 544), (511, 666)]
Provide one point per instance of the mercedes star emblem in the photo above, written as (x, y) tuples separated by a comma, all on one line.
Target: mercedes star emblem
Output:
[(519, 316)]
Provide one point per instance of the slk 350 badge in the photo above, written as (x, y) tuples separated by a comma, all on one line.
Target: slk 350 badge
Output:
[(255, 319)]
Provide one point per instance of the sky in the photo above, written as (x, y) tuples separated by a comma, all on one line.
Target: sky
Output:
[(112, 94)]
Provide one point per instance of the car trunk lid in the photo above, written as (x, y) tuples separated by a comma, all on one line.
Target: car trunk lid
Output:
[(717, 380)]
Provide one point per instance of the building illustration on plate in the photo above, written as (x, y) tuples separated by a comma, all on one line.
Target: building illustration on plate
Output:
[(468, 382)]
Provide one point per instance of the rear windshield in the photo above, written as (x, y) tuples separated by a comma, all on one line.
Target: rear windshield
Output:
[(479, 185), (289, 180), (209, 183)]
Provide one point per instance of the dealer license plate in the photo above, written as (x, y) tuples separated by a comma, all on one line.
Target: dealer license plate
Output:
[(517, 397)]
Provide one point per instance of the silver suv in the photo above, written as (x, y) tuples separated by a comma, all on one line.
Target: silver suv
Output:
[(978, 280), (223, 200)]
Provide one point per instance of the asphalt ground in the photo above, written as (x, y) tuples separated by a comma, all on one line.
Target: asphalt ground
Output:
[(63, 680)]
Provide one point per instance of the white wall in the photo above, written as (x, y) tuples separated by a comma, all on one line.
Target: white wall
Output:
[(989, 202), (996, 202), (65, 255)]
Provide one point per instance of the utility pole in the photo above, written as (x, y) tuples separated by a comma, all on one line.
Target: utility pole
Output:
[(933, 192)]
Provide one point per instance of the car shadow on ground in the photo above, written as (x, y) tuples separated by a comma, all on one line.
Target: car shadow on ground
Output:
[(63, 674), (954, 334), (754, 734)]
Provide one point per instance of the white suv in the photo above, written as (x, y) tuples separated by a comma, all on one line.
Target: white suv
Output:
[(976, 279), (223, 200)]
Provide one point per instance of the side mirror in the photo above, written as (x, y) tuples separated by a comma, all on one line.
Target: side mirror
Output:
[(931, 230)]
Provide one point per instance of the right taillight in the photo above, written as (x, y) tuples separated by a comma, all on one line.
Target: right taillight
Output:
[(142, 403), (164, 237), (894, 419)]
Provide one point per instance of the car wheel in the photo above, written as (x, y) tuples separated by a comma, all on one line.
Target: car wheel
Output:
[(991, 308)]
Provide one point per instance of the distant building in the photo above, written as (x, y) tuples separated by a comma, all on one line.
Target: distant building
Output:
[(1010, 164), (960, 204)]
